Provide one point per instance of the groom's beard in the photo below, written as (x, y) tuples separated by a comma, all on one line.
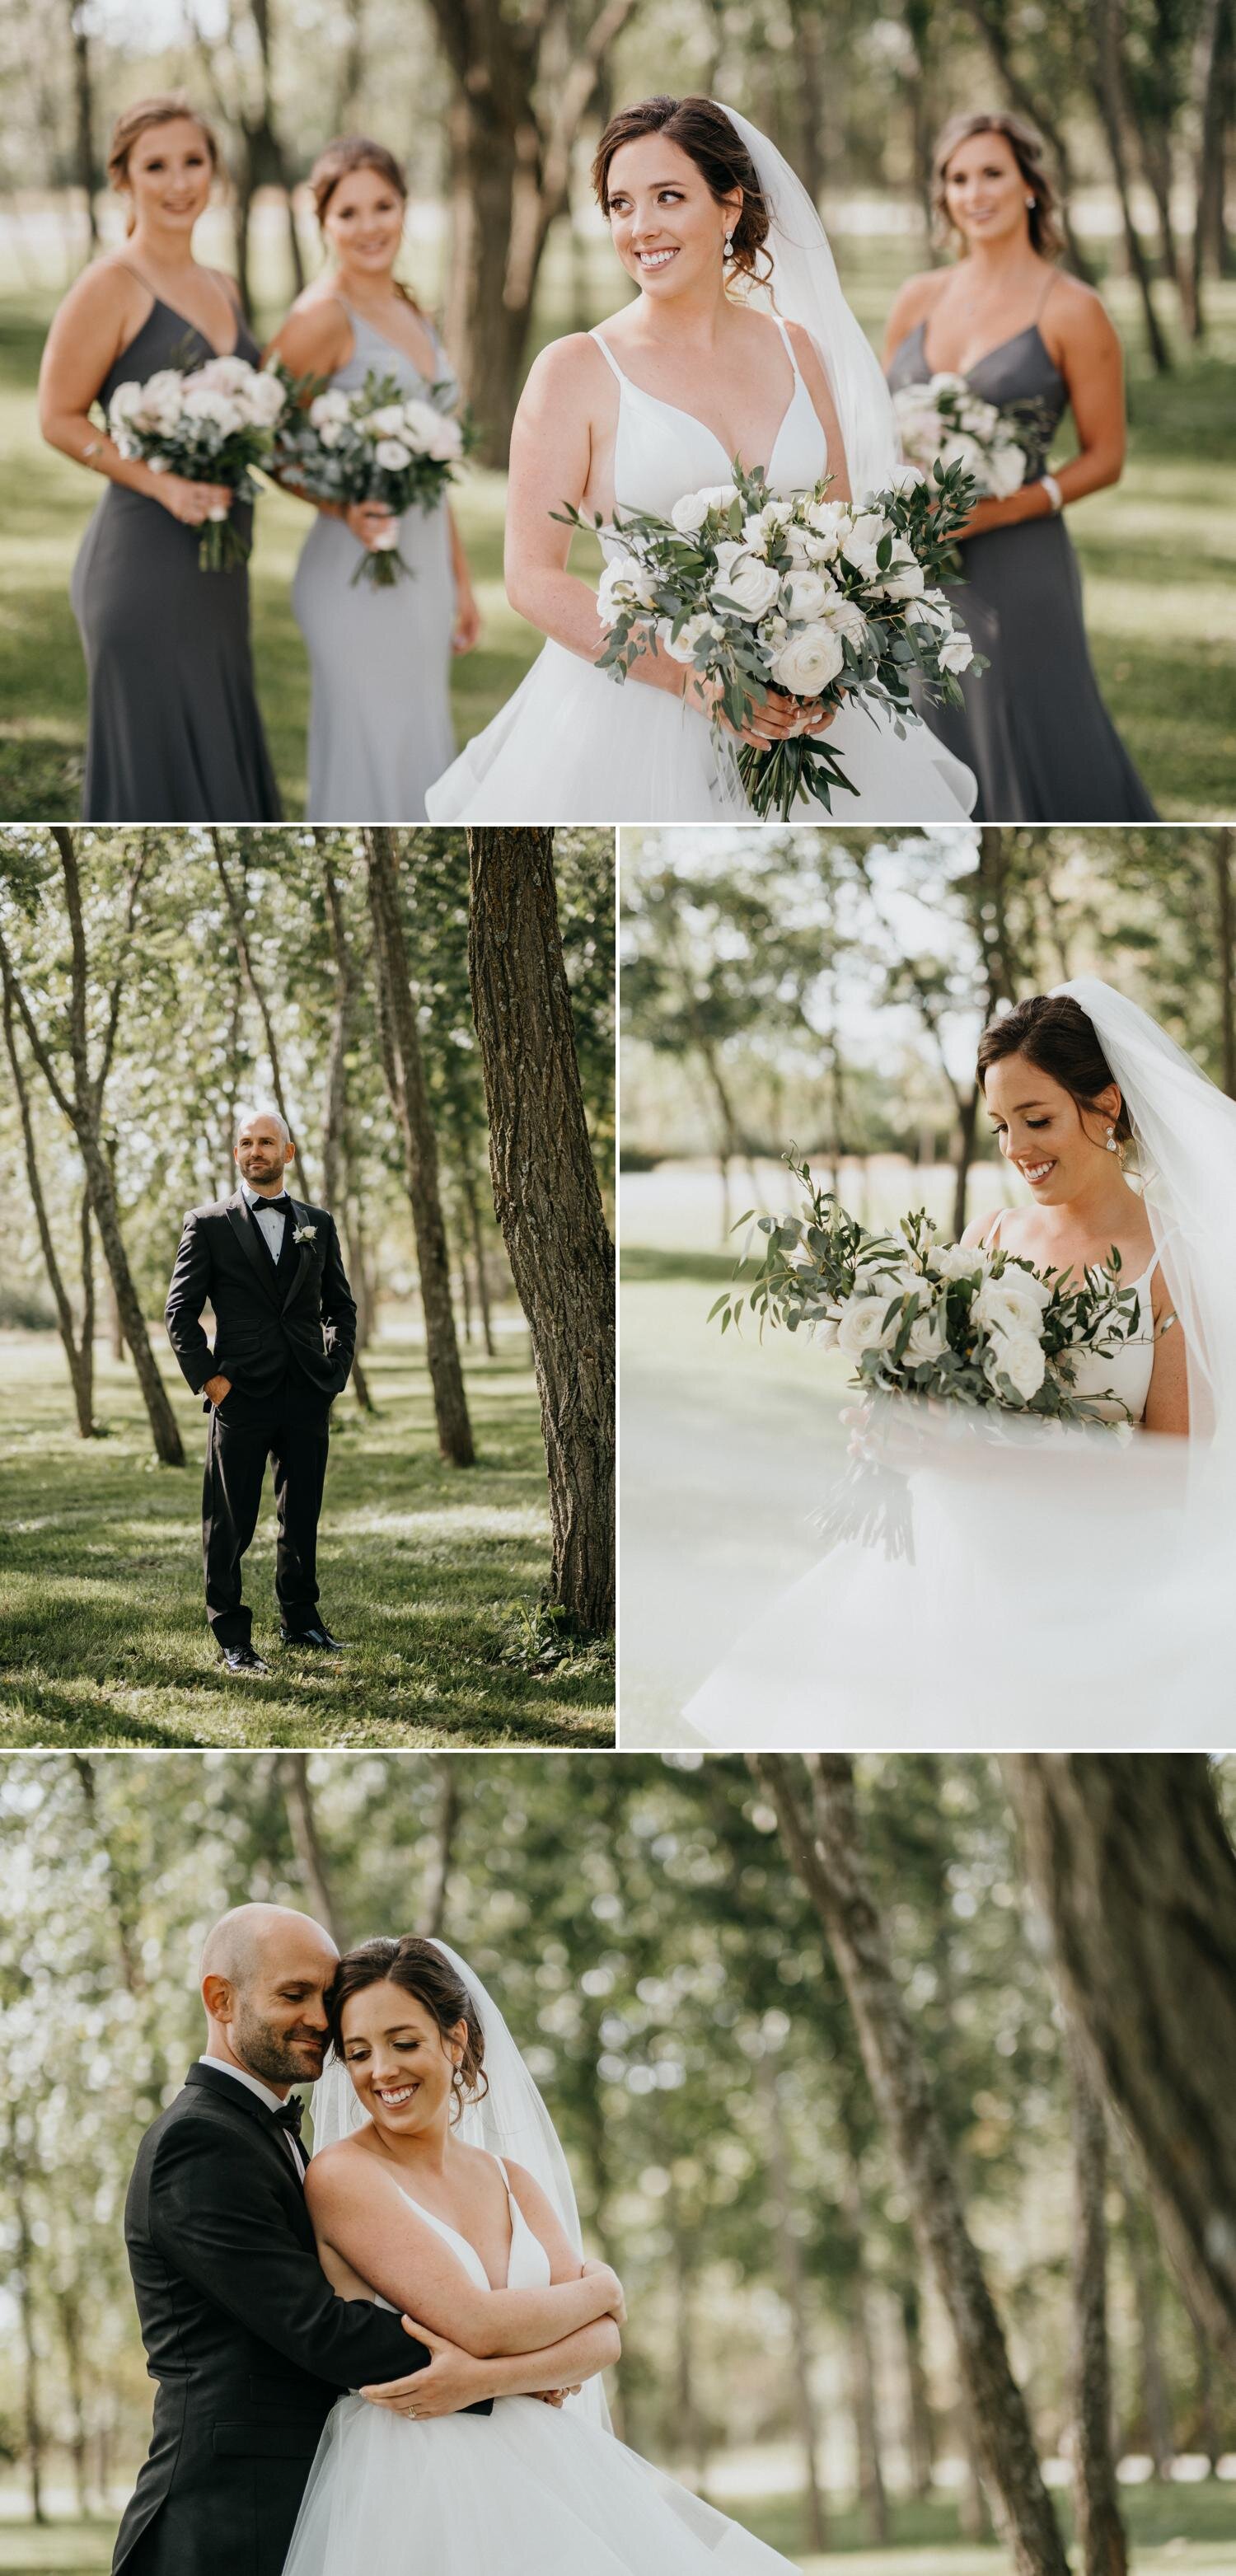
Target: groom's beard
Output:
[(278, 2056)]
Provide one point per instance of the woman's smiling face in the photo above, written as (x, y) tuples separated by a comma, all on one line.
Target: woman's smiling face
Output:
[(1043, 1132), (667, 227), (169, 174), (363, 221), (984, 191), (400, 2063)]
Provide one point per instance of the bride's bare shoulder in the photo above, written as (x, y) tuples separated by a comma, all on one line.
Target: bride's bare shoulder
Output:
[(569, 365), (978, 1229), (334, 2168)]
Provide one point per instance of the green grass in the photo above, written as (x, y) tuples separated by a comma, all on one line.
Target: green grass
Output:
[(1190, 2529), (433, 1574), (1158, 555)]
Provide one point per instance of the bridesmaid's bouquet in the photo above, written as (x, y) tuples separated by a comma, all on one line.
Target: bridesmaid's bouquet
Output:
[(943, 420), (821, 601), (916, 1317), (376, 444), (213, 424)]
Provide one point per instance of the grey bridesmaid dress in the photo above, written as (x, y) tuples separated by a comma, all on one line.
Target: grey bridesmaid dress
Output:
[(174, 731), (1033, 728), (380, 727)]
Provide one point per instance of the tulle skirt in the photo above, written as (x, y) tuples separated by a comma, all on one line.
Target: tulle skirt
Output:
[(574, 746), (527, 2491)]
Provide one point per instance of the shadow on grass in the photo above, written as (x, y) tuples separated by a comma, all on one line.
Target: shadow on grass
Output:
[(641, 1263)]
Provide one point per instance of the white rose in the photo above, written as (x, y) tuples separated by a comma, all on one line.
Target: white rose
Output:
[(749, 586), (1013, 1303), (809, 660), (690, 513), (681, 647), (726, 552), (958, 1261), (386, 422), (862, 1326), (966, 452), (956, 653), (392, 455), (1019, 1357), (927, 1338), (806, 593), (329, 406), (1006, 471)]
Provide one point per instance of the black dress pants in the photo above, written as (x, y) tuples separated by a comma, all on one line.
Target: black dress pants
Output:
[(239, 1441)]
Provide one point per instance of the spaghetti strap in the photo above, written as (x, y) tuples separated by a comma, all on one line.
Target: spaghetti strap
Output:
[(992, 1236), (1052, 281), (788, 345), (610, 359)]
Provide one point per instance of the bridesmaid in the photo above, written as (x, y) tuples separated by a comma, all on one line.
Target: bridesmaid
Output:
[(380, 728), (1034, 727), (174, 730)]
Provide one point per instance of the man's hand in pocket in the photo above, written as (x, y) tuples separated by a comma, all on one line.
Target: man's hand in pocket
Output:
[(216, 1388)]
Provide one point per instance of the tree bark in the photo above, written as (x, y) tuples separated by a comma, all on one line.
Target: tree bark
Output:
[(85, 157), (32, 2420), (1143, 2268), (298, 1802), (1100, 2530), (794, 2291), (405, 1074), (1132, 1867), (78, 1352), (450, 1809), (822, 1841), (547, 1200), (1108, 88), (337, 1120), (872, 2494), (472, 1206), (920, 2436)]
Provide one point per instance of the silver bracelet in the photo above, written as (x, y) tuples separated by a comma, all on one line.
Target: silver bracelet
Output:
[(1053, 491)]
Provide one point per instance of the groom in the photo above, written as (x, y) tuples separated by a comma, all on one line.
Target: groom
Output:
[(246, 2342), (285, 1332)]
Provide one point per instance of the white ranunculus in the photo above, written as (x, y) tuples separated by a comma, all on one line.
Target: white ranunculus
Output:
[(681, 647), (1019, 1357), (806, 594), (927, 1338), (1005, 471), (392, 455), (809, 660), (862, 1326), (1012, 1303), (846, 620), (203, 403), (748, 586), (690, 513), (431, 432), (329, 406)]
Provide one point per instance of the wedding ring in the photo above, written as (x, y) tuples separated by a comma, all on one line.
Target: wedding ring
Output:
[(410, 2410)]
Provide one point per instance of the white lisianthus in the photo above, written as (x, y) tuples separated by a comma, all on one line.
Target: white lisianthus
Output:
[(719, 496), (623, 585), (392, 455), (697, 630), (201, 402), (690, 512), (862, 1326), (386, 422), (126, 402), (430, 432), (1005, 471), (265, 397), (861, 542), (809, 660), (332, 432), (807, 594), (958, 1260), (827, 1332), (749, 586), (327, 407), (946, 382), (1019, 1357), (829, 522)]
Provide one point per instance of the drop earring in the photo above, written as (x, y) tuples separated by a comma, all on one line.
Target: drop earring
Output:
[(728, 251), (1112, 1146), (1031, 202)]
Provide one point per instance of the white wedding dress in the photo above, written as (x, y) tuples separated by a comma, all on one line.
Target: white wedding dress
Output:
[(575, 746), (526, 2491)]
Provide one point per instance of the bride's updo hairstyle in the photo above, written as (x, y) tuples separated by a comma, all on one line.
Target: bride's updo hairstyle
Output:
[(422, 1971), (1054, 1034), (703, 131), (166, 107), (1029, 152)]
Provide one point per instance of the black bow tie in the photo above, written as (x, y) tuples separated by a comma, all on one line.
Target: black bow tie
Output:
[(279, 1207), (289, 2114)]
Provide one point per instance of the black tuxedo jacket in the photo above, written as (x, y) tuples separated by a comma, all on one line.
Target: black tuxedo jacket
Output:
[(291, 1328), (245, 2339)]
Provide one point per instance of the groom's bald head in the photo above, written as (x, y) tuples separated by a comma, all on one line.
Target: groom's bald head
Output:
[(264, 1973)]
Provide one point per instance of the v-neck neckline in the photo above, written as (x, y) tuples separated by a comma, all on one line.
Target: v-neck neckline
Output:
[(681, 412)]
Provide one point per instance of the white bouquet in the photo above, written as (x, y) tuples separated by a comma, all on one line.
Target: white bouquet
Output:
[(212, 424), (918, 1317), (943, 420), (807, 598), (375, 445)]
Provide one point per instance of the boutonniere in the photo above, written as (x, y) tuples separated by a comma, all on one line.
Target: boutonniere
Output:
[(305, 1234)]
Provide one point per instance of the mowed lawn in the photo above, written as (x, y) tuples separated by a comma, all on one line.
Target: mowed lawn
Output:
[(1158, 555), (433, 1575)]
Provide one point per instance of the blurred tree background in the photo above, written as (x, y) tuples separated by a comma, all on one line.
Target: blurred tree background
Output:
[(643, 1924), (155, 984), (495, 106), (826, 989)]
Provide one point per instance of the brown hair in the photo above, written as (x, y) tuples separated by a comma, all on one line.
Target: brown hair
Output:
[(421, 1970), (1028, 150), (703, 131), (163, 109), (338, 160), (1054, 1034)]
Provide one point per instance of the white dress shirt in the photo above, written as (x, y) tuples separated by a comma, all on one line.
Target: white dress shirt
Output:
[(269, 1221), (273, 2102)]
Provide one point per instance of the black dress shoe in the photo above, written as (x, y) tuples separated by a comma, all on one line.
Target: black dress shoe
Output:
[(243, 1659), (319, 1637)]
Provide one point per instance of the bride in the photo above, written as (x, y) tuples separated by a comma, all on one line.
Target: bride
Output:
[(705, 216), (416, 2196), (1060, 1586)]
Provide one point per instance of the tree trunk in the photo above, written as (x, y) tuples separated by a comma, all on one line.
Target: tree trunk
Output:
[(72, 2343), (85, 158), (405, 1075), (1100, 2530), (963, 1156), (240, 928), (1211, 78), (78, 1354), (1109, 95), (472, 1205), (450, 1808), (303, 1825), (920, 2436), (547, 1200), (32, 2420), (872, 2494), (794, 2292), (336, 1123), (1132, 1867), (1143, 2268), (822, 1841)]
